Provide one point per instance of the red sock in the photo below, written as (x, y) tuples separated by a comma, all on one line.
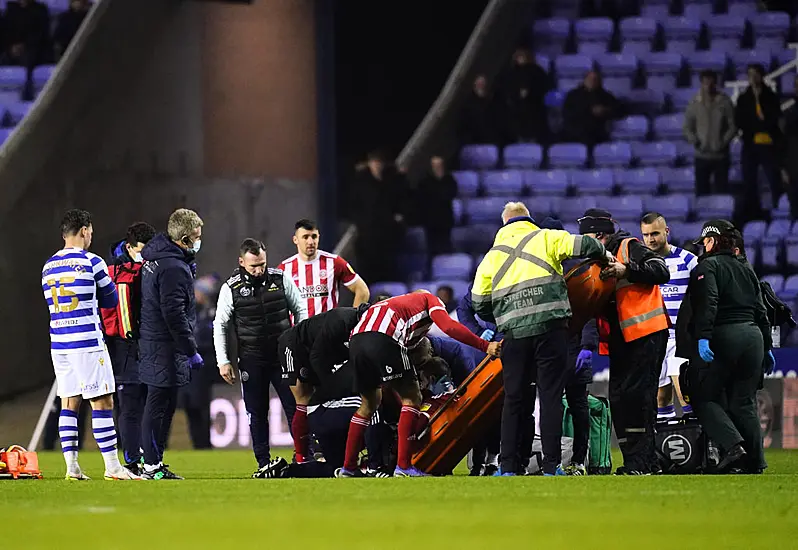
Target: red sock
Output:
[(355, 441), (421, 424), (407, 424), (299, 428)]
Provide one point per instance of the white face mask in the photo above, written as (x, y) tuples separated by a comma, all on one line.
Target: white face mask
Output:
[(196, 246), (138, 258)]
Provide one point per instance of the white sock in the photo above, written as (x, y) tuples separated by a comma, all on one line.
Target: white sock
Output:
[(68, 432), (492, 459), (102, 423)]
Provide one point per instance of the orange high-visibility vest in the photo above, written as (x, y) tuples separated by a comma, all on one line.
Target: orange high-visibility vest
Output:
[(641, 309), (603, 327)]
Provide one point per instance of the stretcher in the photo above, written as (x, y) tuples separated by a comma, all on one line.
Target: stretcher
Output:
[(462, 420), (16, 462), (587, 293)]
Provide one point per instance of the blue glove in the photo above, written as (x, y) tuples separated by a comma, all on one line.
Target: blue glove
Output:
[(584, 360), (195, 361), (770, 363), (703, 350), (488, 334)]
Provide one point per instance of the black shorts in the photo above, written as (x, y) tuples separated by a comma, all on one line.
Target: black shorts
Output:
[(377, 358), (294, 361)]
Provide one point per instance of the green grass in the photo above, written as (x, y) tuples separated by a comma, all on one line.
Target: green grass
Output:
[(217, 506)]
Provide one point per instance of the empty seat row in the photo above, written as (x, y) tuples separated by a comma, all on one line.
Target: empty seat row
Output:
[(12, 77)]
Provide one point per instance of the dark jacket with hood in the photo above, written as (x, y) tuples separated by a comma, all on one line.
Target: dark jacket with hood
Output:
[(168, 314)]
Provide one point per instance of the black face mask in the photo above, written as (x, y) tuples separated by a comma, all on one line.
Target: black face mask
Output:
[(252, 279)]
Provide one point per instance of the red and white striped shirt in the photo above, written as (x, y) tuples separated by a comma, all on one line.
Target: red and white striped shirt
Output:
[(408, 318), (318, 279)]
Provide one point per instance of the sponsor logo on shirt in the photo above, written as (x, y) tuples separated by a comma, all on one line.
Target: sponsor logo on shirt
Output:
[(314, 291), (245, 291), (669, 290)]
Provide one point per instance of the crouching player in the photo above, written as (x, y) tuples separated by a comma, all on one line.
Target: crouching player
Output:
[(378, 351)]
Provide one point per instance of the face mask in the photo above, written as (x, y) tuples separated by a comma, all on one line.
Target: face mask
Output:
[(255, 279), (196, 246), (138, 258)]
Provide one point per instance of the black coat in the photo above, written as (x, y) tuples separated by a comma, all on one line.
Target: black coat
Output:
[(579, 122), (168, 314), (750, 124), (435, 198)]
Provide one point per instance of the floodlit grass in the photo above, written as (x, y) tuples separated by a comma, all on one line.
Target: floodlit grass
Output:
[(218, 506)]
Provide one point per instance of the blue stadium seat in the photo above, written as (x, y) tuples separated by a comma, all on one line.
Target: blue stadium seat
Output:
[(779, 229), (791, 253), (613, 155), (467, 183), (415, 239), (548, 182), (554, 98), (775, 281), (673, 207), (571, 209), (617, 65), (627, 208), (630, 128), (4, 134), (474, 239), (636, 47), (593, 34), (678, 180), (685, 152), (662, 69), (42, 74), (452, 266), (679, 232), (479, 156), (523, 155), (488, 210), (735, 174), (787, 84), (638, 29), (657, 153), (565, 85), (783, 209), (645, 102), (12, 78), (707, 61), (573, 66), (638, 181), (790, 289), (389, 288), (742, 58), (18, 110), (593, 182), (540, 207), (543, 61), (669, 127), (726, 31), (568, 155), (774, 44), (699, 10), (754, 232), (715, 206), (507, 183), (771, 23), (770, 254), (457, 211), (742, 9), (681, 34), (551, 35), (618, 86), (681, 97), (657, 11), (736, 151), (459, 287), (413, 265)]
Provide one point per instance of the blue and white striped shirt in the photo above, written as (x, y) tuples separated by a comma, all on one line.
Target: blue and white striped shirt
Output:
[(680, 263), (74, 283)]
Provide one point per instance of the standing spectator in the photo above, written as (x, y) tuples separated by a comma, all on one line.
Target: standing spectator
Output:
[(27, 30), (167, 348), (524, 94), (68, 24), (480, 117), (378, 209), (757, 114), (446, 295), (587, 111), (709, 127), (435, 193), (790, 172)]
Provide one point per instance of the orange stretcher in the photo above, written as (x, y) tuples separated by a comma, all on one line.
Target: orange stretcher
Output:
[(459, 424), (16, 462)]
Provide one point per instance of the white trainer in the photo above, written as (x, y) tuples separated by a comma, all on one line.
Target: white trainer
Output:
[(121, 474)]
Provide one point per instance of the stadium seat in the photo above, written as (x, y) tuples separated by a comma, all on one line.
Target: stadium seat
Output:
[(4, 134), (685, 152), (715, 206), (657, 153), (782, 212), (573, 66), (565, 85), (791, 253), (540, 207), (415, 239), (736, 151), (467, 183), (479, 156), (554, 98), (452, 266), (551, 35), (754, 232), (593, 34), (617, 65), (725, 31), (487, 210), (678, 180), (630, 128), (790, 289), (773, 44), (673, 207), (742, 58), (699, 10), (638, 30), (543, 61), (12, 78), (707, 61), (568, 155), (636, 47), (474, 239), (618, 86), (615, 154), (638, 181), (681, 34), (669, 127), (779, 229), (624, 208), (457, 211), (680, 98), (503, 183), (593, 182), (523, 155), (389, 288), (771, 23), (459, 287), (549, 182), (56, 6), (571, 209), (412, 265), (770, 254), (656, 11), (645, 102), (742, 9), (17, 111), (787, 84), (662, 69), (42, 74), (776, 282)]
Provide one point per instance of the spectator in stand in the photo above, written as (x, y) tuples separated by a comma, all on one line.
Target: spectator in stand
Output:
[(790, 171), (446, 295), (435, 193), (479, 122), (524, 92), (27, 33), (587, 111), (757, 116), (68, 24), (379, 203), (709, 127)]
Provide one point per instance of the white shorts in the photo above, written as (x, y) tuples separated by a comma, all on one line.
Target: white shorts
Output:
[(87, 373), (671, 364)]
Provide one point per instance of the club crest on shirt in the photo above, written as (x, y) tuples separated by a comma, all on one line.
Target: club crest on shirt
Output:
[(323, 274), (245, 291)]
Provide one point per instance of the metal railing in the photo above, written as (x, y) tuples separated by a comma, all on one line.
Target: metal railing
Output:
[(737, 86)]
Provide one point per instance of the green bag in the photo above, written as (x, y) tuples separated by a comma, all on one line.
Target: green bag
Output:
[(600, 446)]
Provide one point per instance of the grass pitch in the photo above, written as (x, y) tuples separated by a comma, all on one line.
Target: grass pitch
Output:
[(217, 506)]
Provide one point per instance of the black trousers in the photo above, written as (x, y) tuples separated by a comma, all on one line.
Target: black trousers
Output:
[(634, 382), (754, 156), (159, 410), (724, 391), (256, 375), (537, 360), (195, 399), (711, 176), (132, 399)]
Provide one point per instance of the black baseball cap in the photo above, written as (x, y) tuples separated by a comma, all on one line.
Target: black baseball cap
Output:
[(715, 228)]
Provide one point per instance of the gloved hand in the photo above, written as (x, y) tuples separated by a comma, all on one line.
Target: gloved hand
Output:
[(195, 361), (770, 363), (584, 360), (703, 350), (488, 334)]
